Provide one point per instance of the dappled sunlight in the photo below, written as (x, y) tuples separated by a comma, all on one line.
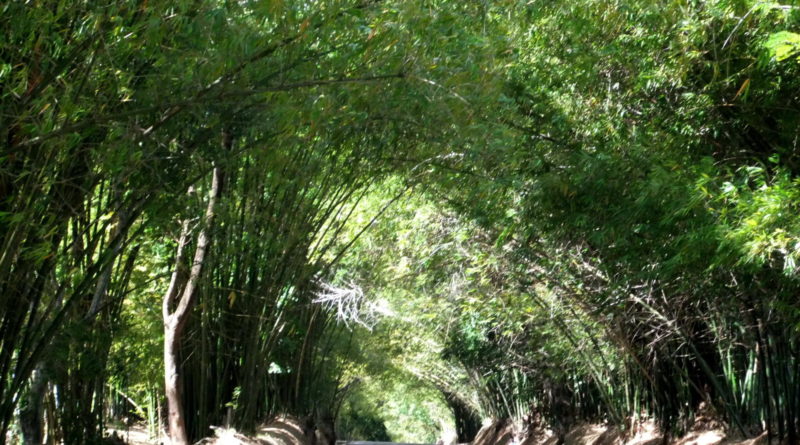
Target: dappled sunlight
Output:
[(495, 222)]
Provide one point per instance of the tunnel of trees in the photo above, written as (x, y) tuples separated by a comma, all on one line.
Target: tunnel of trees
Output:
[(383, 216)]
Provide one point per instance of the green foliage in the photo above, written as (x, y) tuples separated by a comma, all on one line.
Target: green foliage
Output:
[(634, 200), (584, 209), (109, 114), (782, 45), (392, 406)]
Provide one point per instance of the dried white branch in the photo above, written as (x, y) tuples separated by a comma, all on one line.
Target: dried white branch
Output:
[(349, 304)]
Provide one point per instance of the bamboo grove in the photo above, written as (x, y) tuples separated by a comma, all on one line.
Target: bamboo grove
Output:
[(111, 112), (386, 216)]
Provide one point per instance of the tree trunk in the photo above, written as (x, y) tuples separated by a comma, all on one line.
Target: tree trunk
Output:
[(31, 415), (175, 321), (177, 423)]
